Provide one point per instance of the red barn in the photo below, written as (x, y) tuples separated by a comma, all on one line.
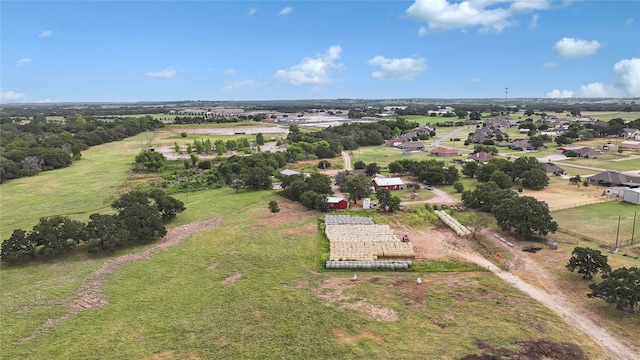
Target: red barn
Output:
[(337, 203), (388, 183)]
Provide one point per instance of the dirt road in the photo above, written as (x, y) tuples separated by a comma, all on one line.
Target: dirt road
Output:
[(437, 243)]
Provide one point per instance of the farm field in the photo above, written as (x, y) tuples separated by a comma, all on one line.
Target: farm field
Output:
[(249, 286)]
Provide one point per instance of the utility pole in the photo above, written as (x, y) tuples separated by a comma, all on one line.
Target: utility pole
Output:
[(633, 229), (506, 95), (617, 234)]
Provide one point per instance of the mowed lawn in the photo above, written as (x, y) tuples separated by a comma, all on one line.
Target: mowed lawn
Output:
[(600, 221), (250, 288)]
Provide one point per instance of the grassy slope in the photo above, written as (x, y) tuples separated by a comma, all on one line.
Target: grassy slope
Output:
[(173, 302)]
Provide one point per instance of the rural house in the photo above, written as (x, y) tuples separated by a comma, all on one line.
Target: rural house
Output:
[(521, 145), (442, 151), (551, 169), (630, 145), (629, 133), (387, 183), (615, 178), (411, 146), (481, 157)]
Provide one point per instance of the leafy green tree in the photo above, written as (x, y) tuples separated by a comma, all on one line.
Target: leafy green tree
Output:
[(294, 190), (273, 207), (384, 197), (588, 262), (458, 186), (575, 180), (151, 160), (620, 287), (394, 203), (534, 179), (168, 206), (308, 199), (525, 163), (484, 171), (194, 159), (257, 178), (372, 169), (324, 164), (259, 139), (176, 148), (501, 179), (396, 167), (56, 234), (585, 183), (319, 183), (486, 196), (524, 215), (139, 217), (536, 142), (358, 186), (450, 174), (105, 233), (18, 247), (359, 165), (469, 169)]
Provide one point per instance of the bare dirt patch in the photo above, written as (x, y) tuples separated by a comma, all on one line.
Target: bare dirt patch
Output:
[(342, 336), (332, 291), (90, 294), (212, 266), (290, 212), (530, 350), (233, 278), (172, 355)]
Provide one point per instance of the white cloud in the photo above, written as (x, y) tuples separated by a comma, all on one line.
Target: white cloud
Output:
[(405, 69), (474, 81), (232, 86), (441, 15), (315, 71), (167, 73), (252, 11), (549, 65), (628, 22), (560, 94), (46, 33), (570, 47), (628, 73), (597, 90), (286, 11), (12, 97), (230, 71), (23, 62), (423, 31), (534, 21)]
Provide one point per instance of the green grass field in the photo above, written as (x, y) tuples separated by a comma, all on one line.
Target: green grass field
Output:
[(600, 221), (177, 305)]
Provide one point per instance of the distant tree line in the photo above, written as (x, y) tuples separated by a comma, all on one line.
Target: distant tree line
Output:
[(140, 219), (41, 145)]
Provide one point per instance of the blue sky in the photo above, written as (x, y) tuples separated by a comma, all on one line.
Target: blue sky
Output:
[(121, 51)]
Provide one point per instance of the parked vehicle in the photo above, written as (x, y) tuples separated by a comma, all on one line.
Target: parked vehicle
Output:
[(428, 187)]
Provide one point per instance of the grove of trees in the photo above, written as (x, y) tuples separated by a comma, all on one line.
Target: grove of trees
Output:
[(140, 218)]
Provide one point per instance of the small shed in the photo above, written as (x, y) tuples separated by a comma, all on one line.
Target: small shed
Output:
[(337, 203), (617, 191), (632, 196)]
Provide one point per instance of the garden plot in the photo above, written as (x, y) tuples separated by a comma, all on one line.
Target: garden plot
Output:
[(350, 240)]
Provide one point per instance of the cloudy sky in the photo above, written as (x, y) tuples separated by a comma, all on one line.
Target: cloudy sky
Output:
[(272, 50)]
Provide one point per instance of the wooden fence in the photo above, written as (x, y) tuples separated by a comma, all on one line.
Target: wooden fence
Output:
[(583, 203), (610, 243)]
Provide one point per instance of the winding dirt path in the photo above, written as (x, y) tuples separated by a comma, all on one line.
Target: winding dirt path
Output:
[(89, 295), (438, 243)]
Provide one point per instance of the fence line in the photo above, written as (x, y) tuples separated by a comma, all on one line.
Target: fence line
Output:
[(621, 243), (583, 203)]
